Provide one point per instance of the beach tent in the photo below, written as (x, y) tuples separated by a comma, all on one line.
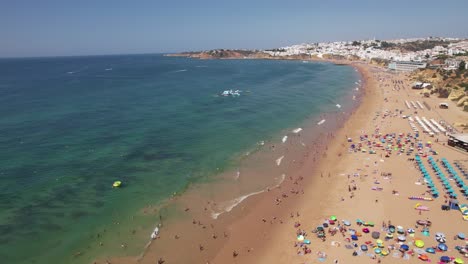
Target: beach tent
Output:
[(445, 259), (423, 257)]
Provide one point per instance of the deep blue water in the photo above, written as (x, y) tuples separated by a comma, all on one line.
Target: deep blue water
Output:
[(70, 127)]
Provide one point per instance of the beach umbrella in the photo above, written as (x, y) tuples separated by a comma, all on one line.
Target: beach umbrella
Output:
[(445, 259), (333, 218), (458, 261), (439, 235), (377, 250), (400, 230), (306, 241), (379, 241), (404, 247), (363, 247), (442, 247), (365, 230), (401, 238), (461, 235), (375, 235), (346, 223), (410, 230), (430, 250), (389, 235), (419, 243), (300, 238), (354, 237)]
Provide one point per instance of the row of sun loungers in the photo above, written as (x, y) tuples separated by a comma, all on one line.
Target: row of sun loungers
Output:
[(463, 170), (427, 177), (439, 126), (430, 127), (445, 182), (414, 105), (453, 173)]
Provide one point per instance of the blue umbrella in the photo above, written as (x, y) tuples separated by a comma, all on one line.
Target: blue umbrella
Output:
[(461, 235), (404, 247), (430, 250), (442, 247)]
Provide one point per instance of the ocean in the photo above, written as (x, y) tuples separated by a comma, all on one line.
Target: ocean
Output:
[(71, 126)]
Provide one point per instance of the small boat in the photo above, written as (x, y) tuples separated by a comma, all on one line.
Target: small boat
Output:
[(116, 184), (231, 93)]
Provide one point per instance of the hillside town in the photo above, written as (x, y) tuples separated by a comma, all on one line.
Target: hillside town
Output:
[(400, 54)]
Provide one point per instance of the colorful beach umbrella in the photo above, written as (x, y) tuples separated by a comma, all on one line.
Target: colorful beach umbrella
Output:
[(419, 243)]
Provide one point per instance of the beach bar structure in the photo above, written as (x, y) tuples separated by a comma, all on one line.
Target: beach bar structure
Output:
[(458, 141), (406, 65)]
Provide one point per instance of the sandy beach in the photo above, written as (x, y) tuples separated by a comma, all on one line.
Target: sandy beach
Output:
[(334, 177)]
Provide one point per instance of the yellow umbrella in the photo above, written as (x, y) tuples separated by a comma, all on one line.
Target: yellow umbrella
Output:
[(419, 243), (379, 241), (459, 261), (300, 238)]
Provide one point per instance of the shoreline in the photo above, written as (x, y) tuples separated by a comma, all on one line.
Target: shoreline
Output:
[(245, 202)]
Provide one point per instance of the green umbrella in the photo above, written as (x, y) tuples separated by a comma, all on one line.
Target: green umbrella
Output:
[(333, 218)]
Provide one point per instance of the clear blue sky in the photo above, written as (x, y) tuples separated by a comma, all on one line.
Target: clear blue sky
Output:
[(82, 27)]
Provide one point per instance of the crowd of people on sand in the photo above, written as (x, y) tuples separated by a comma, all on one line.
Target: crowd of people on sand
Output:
[(401, 243)]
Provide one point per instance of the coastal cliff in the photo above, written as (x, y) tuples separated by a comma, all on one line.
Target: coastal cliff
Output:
[(237, 54)]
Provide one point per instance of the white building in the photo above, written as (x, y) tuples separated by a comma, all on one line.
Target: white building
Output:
[(406, 65)]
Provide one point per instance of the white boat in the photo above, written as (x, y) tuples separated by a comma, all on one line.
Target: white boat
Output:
[(231, 93)]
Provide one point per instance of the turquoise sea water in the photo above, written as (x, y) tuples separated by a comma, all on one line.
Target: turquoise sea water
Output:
[(70, 127)]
